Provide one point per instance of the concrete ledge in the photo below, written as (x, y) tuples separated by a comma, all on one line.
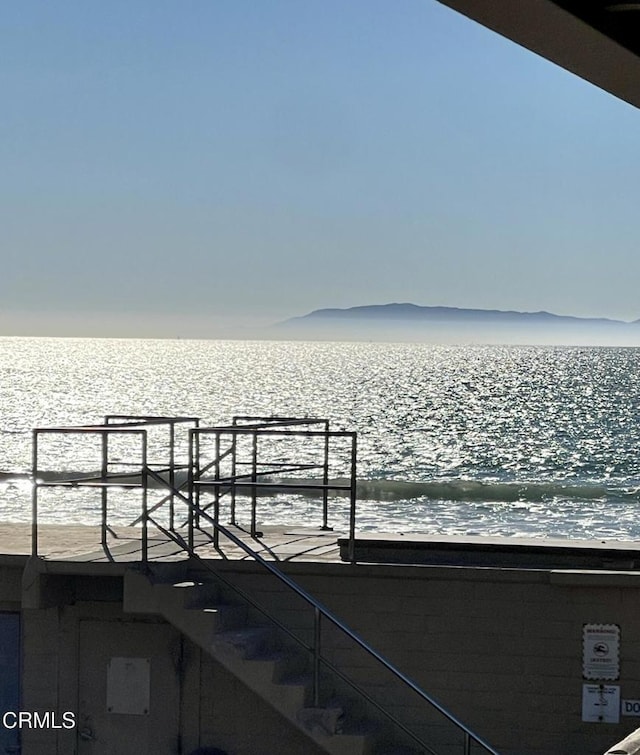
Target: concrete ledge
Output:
[(595, 578), (518, 553)]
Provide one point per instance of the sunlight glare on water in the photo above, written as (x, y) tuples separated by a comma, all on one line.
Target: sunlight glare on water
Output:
[(494, 440)]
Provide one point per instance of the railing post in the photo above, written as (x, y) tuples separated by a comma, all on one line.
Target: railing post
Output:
[(196, 450), (34, 493), (467, 743), (216, 500), (352, 507), (317, 630), (325, 480), (254, 477), (232, 506), (145, 502), (191, 480), (194, 465), (172, 473), (103, 490)]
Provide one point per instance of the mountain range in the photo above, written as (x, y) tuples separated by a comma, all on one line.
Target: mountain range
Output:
[(454, 324)]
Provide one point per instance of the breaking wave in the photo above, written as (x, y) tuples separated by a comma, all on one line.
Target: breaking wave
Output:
[(473, 490), (404, 490)]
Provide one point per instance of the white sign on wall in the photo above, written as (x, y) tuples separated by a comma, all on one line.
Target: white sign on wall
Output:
[(129, 686), (601, 703), (601, 651)]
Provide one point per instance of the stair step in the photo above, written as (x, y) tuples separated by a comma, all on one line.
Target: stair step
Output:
[(324, 721), (173, 596), (245, 642), (198, 594), (350, 744), (279, 675), (228, 616), (285, 669), (325, 726), (167, 571)]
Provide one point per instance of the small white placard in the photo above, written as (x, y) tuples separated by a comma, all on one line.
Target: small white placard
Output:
[(601, 651), (129, 686), (630, 708), (601, 703)]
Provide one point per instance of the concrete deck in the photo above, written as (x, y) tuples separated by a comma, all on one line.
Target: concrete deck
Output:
[(80, 543)]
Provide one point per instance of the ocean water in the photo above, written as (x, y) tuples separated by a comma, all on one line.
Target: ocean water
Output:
[(515, 441)]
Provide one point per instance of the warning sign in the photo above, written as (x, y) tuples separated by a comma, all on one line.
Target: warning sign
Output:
[(601, 651), (601, 703)]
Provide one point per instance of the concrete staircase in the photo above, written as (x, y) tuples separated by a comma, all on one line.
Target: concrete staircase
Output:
[(257, 654)]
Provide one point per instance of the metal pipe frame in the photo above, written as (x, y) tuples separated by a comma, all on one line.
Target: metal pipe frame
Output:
[(254, 479), (275, 427), (259, 422), (248, 430), (352, 502), (34, 493), (103, 431), (321, 613), (145, 502), (172, 473), (317, 654), (114, 424), (147, 419), (104, 470), (234, 469), (216, 506), (325, 480), (152, 419), (190, 491)]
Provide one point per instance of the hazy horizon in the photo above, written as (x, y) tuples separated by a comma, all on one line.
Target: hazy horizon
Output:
[(205, 172), (344, 329)]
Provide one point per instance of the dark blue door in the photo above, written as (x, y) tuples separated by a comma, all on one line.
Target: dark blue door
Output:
[(9, 678)]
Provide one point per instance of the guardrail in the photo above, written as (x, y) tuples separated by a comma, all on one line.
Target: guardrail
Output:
[(114, 425), (247, 475), (259, 475), (321, 615), (256, 429)]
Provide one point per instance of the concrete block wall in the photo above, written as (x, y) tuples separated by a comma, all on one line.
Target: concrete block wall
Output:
[(215, 709), (40, 675), (235, 719), (502, 648)]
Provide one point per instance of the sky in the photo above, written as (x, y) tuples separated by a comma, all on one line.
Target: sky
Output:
[(202, 167)]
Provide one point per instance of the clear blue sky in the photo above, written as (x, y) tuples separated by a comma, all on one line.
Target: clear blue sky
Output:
[(169, 168)]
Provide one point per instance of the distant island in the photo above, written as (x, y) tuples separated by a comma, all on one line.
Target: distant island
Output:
[(457, 325)]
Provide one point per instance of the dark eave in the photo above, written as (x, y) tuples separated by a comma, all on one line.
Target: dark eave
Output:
[(594, 39)]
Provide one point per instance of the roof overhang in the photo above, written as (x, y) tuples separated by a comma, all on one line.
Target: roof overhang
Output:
[(594, 39)]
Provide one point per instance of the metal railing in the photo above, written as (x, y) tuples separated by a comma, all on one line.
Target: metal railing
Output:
[(115, 425), (321, 616), (258, 423), (259, 477), (274, 429), (247, 476), (172, 465)]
